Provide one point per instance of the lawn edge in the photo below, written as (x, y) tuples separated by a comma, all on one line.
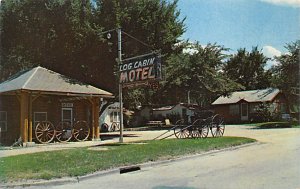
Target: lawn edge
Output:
[(66, 180)]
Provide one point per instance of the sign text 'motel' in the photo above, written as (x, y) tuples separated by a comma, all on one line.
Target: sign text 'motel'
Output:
[(140, 69)]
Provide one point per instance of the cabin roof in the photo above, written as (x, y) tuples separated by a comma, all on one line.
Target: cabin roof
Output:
[(40, 79), (261, 95)]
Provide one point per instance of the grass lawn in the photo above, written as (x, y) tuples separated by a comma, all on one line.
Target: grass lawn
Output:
[(81, 161)]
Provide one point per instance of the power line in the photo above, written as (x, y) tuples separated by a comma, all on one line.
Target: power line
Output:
[(145, 44)]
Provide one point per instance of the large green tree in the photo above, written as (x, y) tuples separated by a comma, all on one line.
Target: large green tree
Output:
[(151, 25), (155, 23), (197, 72), (67, 35), (56, 34), (247, 69), (286, 73)]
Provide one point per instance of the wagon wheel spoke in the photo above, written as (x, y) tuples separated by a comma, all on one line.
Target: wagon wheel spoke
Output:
[(81, 131), (76, 132), (204, 132), (178, 129), (45, 132), (186, 133), (220, 130), (196, 133), (118, 127), (217, 126), (198, 128), (63, 132), (115, 126)]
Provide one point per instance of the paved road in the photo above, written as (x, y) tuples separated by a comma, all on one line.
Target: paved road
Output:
[(274, 163)]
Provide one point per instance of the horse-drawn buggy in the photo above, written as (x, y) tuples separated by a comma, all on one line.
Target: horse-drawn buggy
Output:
[(198, 127)]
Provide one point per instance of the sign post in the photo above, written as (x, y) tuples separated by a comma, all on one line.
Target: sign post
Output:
[(136, 71), (120, 84)]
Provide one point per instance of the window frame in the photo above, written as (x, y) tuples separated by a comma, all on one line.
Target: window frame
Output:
[(34, 117), (114, 116)]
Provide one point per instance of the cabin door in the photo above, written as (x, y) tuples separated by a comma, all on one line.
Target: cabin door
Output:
[(67, 115), (244, 111)]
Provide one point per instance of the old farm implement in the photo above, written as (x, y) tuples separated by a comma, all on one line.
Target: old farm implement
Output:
[(199, 128), (46, 132)]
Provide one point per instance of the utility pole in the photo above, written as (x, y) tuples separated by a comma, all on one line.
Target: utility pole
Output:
[(120, 85)]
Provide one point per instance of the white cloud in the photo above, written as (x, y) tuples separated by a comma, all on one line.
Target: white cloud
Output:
[(292, 3), (271, 52)]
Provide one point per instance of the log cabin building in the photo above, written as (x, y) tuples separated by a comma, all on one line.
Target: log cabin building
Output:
[(39, 94), (241, 106)]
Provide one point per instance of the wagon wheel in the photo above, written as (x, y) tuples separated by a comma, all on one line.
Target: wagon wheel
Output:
[(179, 131), (81, 130), (201, 129), (44, 132), (104, 127), (217, 127), (63, 131), (195, 133), (115, 126)]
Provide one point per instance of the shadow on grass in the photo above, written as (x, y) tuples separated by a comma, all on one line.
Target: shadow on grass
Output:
[(150, 128), (273, 125), (111, 144), (108, 136)]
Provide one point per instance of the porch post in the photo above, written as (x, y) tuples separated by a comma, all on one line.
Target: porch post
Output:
[(30, 118), (96, 118), (24, 116), (93, 118)]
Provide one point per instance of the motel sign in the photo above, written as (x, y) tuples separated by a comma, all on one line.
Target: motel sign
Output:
[(139, 71)]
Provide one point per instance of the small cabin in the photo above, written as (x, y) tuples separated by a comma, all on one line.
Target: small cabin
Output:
[(241, 106), (38, 95)]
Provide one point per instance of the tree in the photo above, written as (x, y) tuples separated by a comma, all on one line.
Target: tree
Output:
[(247, 69), (52, 33), (200, 73), (151, 25), (286, 73), (67, 35), (155, 22)]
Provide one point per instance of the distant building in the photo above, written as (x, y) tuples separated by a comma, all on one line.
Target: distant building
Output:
[(173, 112), (241, 106), (110, 115)]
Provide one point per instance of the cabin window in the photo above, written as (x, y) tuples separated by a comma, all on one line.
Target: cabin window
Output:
[(67, 115), (234, 109), (114, 117), (3, 121), (38, 117)]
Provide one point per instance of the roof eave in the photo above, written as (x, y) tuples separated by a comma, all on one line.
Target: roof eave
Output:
[(58, 93)]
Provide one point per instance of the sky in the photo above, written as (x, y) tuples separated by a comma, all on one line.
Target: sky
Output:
[(268, 24)]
